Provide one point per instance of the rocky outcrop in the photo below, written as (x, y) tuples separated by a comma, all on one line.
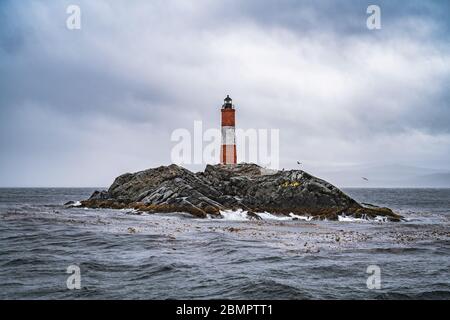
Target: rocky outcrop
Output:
[(231, 187)]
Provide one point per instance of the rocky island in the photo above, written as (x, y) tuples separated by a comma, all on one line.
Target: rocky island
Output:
[(244, 186)]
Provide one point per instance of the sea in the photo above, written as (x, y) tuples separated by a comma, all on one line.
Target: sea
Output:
[(50, 251)]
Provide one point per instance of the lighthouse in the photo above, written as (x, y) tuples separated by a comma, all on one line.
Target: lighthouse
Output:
[(228, 149)]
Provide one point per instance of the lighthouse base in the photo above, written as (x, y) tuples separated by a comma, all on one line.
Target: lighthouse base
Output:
[(228, 154)]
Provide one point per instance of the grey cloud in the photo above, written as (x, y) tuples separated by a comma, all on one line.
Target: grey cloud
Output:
[(107, 97)]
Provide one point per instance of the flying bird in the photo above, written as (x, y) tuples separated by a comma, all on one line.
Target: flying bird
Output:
[(298, 162), (364, 178)]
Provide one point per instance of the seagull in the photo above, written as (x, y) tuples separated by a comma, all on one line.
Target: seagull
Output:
[(364, 178), (298, 162)]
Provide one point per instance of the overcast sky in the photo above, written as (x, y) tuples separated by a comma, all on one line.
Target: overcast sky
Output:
[(79, 107)]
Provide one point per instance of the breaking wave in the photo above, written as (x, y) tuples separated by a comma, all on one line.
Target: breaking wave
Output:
[(345, 218), (241, 215)]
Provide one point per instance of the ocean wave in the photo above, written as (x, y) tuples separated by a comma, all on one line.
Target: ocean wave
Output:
[(345, 218), (427, 295), (238, 215), (264, 289), (178, 256), (241, 215)]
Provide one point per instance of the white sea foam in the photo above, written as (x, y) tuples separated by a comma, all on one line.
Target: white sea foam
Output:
[(269, 216), (130, 211), (381, 219), (345, 218), (241, 215), (238, 215), (364, 218), (305, 218)]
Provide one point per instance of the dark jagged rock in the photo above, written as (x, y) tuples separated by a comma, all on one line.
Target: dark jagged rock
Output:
[(221, 187)]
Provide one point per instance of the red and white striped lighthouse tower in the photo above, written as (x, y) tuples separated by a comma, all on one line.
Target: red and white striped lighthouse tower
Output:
[(228, 150)]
